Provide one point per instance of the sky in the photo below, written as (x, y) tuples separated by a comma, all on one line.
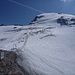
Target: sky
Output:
[(15, 13)]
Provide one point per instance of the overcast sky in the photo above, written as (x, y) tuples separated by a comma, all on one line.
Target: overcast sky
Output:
[(12, 13)]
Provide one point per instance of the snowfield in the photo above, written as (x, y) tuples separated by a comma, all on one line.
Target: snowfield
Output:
[(45, 47)]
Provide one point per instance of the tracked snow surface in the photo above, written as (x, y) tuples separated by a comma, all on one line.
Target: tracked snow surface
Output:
[(46, 46)]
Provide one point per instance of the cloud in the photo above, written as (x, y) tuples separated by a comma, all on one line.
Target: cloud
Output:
[(66, 0)]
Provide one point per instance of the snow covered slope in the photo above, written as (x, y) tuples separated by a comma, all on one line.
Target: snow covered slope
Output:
[(45, 47)]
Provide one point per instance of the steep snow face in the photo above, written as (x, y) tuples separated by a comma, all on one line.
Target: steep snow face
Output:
[(45, 47), (54, 18)]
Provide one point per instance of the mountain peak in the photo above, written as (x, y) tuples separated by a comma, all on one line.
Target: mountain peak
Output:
[(48, 18)]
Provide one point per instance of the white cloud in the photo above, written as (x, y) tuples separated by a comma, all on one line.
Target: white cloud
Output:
[(66, 0)]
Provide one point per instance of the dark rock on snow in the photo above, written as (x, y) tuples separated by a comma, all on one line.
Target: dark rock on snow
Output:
[(8, 65)]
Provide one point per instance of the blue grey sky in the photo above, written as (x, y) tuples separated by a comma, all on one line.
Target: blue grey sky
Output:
[(11, 13)]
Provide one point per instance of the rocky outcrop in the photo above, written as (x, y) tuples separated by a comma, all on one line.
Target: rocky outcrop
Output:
[(8, 65), (66, 21), (35, 19)]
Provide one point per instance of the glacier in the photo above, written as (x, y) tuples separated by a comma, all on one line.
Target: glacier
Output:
[(44, 47)]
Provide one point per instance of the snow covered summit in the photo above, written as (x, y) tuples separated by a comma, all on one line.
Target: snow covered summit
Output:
[(46, 46), (48, 18)]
